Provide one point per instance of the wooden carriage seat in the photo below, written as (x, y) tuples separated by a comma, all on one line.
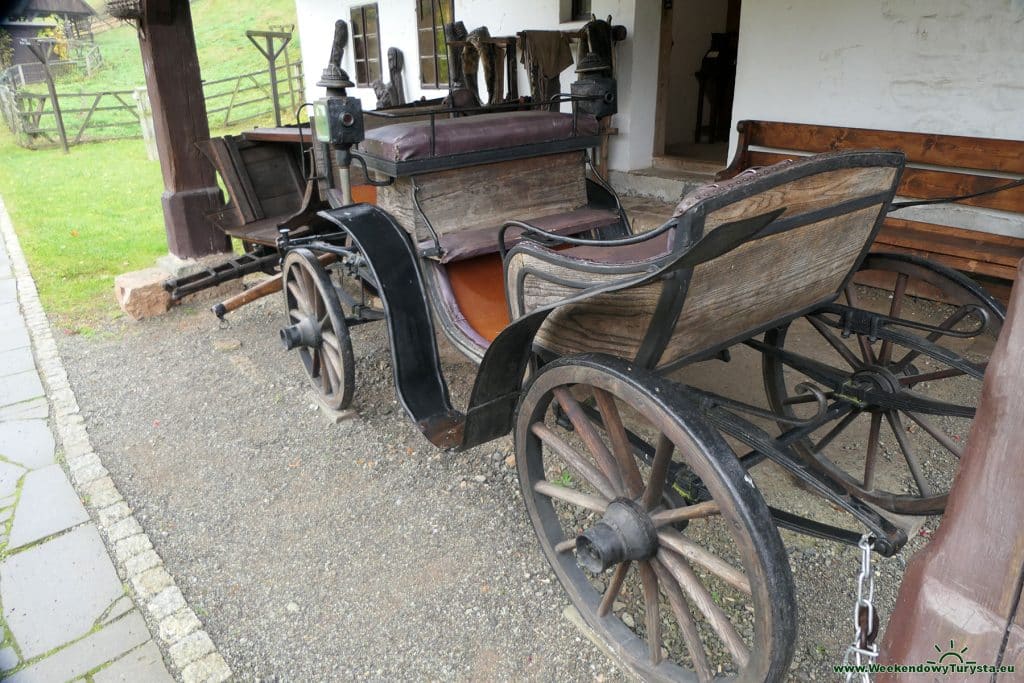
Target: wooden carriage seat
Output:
[(476, 174), (833, 207)]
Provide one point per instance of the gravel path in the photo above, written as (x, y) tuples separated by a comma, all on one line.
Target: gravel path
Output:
[(314, 551)]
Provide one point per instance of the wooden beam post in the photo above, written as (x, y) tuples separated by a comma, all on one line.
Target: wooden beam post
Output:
[(179, 121)]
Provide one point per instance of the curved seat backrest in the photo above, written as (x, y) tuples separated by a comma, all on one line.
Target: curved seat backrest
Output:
[(831, 208)]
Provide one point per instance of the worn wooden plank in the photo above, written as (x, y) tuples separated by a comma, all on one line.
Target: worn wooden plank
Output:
[(806, 194), (485, 196), (956, 151), (920, 183), (967, 244), (767, 279)]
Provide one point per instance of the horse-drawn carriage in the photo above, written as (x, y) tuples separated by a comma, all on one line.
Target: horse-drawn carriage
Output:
[(490, 229)]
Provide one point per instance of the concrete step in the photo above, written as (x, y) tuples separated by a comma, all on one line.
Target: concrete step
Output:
[(665, 185), (645, 213)]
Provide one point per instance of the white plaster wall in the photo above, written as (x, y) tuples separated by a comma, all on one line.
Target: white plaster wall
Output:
[(637, 59), (937, 66), (931, 66)]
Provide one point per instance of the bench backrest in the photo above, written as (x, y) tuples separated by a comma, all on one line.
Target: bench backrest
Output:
[(938, 166), (832, 207)]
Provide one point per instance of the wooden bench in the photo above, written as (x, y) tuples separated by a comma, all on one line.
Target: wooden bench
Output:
[(938, 166)]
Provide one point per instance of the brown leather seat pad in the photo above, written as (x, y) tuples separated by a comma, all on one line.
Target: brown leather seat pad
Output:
[(405, 141)]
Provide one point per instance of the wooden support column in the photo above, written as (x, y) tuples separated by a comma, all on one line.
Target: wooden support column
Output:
[(179, 121)]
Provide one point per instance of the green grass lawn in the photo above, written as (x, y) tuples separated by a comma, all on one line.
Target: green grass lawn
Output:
[(85, 217), (224, 51)]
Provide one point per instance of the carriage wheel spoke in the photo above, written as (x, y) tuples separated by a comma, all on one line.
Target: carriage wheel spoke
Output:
[(578, 462), (687, 625), (614, 586), (300, 297), (588, 434), (659, 470), (566, 545), (701, 596), (895, 309), (652, 617), (325, 374), (923, 487), (683, 546), (866, 351), (332, 362), (836, 430), (911, 380), (621, 448), (871, 459), (937, 434), (836, 343), (571, 496), (698, 511)]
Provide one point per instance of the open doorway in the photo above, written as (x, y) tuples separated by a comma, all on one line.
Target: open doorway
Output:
[(696, 81)]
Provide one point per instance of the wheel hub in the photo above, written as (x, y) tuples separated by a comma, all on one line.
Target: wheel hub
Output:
[(626, 532), (303, 333), (878, 378)]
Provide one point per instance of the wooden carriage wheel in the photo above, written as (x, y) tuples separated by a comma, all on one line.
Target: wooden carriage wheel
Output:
[(909, 456), (317, 329), (701, 590)]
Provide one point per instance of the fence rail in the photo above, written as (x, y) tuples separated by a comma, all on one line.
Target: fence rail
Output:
[(116, 114)]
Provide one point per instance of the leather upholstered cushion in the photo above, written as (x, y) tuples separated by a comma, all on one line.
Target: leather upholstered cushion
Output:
[(406, 141)]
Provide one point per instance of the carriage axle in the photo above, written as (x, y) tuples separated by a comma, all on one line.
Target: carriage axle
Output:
[(625, 533)]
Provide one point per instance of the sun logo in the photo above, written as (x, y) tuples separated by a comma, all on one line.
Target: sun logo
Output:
[(956, 656)]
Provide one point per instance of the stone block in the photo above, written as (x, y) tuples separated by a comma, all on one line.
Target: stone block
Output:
[(141, 293), (123, 529), (190, 648), (210, 669), (141, 562), (179, 624), (151, 582), (166, 603)]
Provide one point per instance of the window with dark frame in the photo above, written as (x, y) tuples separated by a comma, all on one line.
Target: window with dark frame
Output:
[(366, 44), (581, 10), (431, 16)]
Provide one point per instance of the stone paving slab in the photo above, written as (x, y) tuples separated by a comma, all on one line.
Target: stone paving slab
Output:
[(9, 476), (88, 653), (16, 360), (48, 504), (8, 290), (67, 615), (58, 591), (20, 387), (26, 410), (142, 664), (28, 443), (13, 337)]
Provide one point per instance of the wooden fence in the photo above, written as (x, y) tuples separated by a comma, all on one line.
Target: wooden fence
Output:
[(115, 114), (241, 98), (84, 58)]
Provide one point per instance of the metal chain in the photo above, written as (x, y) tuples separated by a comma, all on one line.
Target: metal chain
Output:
[(863, 650)]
